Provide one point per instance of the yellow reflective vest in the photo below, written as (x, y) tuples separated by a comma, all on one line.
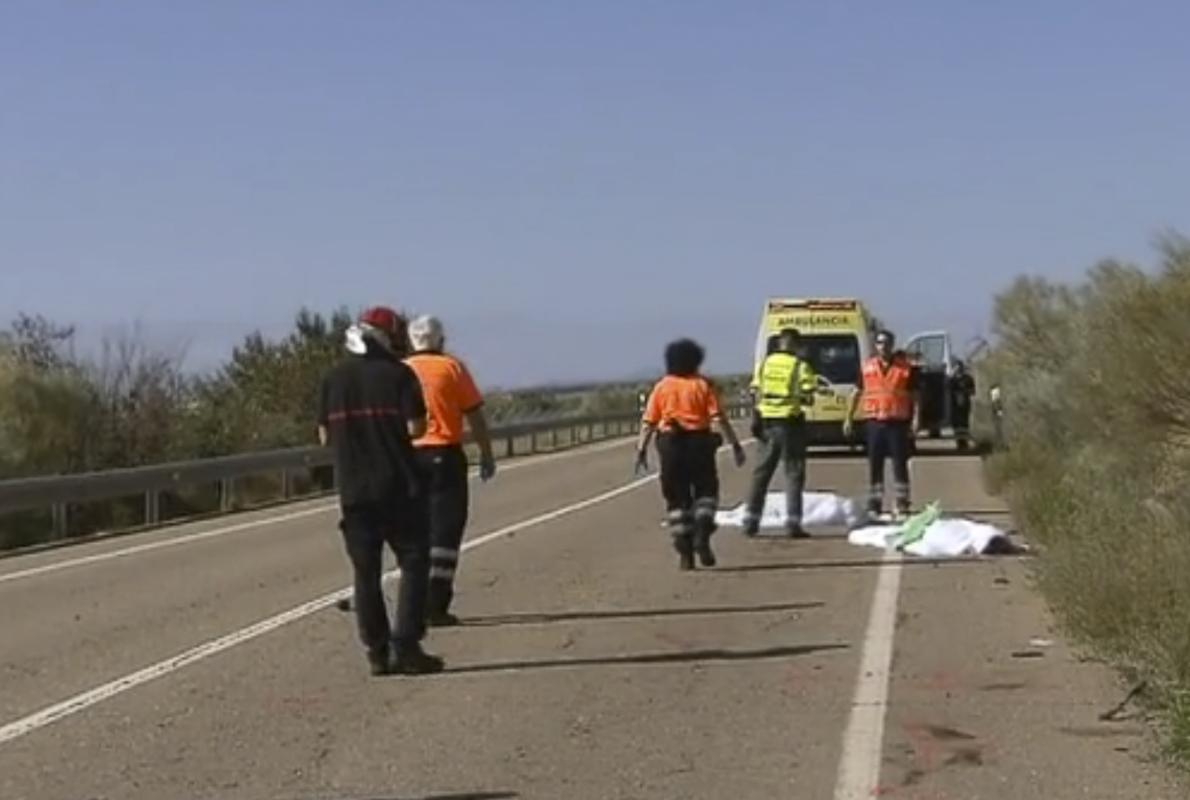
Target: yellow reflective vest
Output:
[(784, 384)]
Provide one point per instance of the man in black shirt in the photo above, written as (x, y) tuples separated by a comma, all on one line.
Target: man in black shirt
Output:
[(370, 409)]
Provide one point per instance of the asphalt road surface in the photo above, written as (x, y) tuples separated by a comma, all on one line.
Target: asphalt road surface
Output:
[(209, 661)]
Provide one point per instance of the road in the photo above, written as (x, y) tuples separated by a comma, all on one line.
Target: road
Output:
[(208, 661)]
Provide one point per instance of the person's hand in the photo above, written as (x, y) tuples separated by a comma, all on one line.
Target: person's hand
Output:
[(737, 452), (642, 462), (487, 467), (848, 428)]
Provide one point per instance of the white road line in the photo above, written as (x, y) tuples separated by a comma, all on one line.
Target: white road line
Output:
[(267, 521), (80, 702), (863, 741), (858, 777), (158, 545)]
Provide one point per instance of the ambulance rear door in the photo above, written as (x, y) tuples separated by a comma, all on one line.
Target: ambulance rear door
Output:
[(932, 355)]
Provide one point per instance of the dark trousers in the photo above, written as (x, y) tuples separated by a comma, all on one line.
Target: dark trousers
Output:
[(961, 411), (888, 440), (366, 529), (784, 443), (445, 469), (689, 482)]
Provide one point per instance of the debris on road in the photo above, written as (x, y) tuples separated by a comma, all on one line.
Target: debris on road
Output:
[(1113, 714)]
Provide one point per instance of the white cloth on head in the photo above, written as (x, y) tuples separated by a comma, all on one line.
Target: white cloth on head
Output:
[(426, 333), (354, 340)]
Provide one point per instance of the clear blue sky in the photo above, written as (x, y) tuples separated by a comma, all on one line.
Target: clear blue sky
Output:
[(570, 184)]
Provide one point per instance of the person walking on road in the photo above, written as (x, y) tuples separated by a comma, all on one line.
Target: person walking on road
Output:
[(891, 405), (783, 386), (680, 411), (370, 409), (451, 397)]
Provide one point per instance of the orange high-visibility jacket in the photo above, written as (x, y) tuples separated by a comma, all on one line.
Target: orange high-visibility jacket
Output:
[(888, 393)]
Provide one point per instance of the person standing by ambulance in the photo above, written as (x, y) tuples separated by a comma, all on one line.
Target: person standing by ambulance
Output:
[(679, 412), (784, 384), (961, 386), (891, 404), (451, 396)]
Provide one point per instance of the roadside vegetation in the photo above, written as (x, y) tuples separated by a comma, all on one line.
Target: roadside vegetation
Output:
[(1094, 458)]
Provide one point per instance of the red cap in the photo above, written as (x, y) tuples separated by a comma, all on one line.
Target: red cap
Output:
[(385, 319)]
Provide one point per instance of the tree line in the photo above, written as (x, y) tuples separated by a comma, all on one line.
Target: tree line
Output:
[(128, 404)]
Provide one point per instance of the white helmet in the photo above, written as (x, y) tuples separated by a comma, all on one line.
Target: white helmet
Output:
[(425, 333)]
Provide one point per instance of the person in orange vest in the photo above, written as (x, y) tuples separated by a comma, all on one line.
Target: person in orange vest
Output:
[(679, 413), (891, 406), (451, 397)]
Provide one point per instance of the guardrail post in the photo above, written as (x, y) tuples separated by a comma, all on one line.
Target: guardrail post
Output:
[(286, 484), (227, 491), (509, 447), (60, 520), (533, 442), (554, 439), (591, 432), (152, 507)]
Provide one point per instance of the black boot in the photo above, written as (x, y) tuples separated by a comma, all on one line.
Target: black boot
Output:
[(379, 660), (439, 597), (751, 524), (702, 545), (794, 530), (684, 544), (412, 660), (442, 619)]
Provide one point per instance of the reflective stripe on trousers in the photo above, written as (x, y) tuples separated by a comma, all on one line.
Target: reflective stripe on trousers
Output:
[(443, 562), (680, 522)]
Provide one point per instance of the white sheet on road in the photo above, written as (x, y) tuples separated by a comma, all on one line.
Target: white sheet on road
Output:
[(943, 538), (819, 510)]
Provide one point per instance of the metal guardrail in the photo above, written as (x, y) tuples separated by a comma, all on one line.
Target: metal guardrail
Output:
[(59, 492)]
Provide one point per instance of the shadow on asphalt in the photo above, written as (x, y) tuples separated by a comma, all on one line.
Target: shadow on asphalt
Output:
[(684, 657), (464, 796), (636, 613)]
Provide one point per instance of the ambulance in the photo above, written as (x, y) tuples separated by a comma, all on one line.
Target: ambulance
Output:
[(837, 336)]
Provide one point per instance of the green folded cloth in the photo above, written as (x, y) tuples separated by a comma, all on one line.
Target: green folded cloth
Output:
[(915, 527)]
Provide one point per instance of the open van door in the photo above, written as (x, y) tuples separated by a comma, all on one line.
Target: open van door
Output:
[(930, 352)]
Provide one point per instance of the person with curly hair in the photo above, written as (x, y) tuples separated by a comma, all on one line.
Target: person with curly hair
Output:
[(679, 414)]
